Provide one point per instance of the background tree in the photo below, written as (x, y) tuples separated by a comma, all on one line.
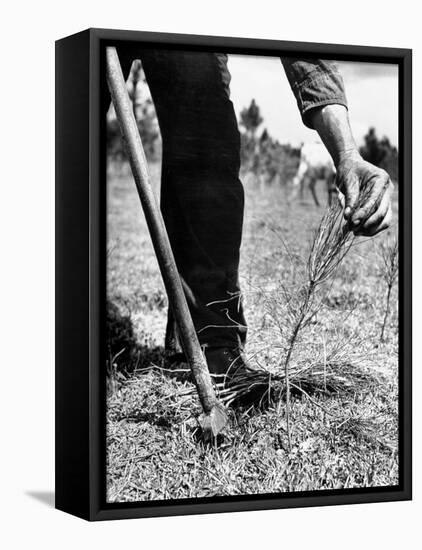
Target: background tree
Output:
[(136, 78), (250, 118), (262, 155), (145, 115), (381, 153)]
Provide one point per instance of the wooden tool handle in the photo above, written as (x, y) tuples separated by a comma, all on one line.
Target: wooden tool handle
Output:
[(215, 418)]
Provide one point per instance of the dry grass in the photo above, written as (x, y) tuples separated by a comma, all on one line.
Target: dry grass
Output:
[(343, 406)]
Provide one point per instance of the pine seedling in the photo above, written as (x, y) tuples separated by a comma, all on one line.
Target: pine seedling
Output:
[(389, 253)]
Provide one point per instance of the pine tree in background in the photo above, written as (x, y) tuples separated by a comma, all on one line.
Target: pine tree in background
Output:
[(381, 153), (145, 116), (250, 118), (136, 77), (262, 155)]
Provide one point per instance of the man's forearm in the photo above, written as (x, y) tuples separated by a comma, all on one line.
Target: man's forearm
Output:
[(367, 214), (332, 124)]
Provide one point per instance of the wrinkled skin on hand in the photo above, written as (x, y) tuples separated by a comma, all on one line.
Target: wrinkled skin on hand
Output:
[(367, 190)]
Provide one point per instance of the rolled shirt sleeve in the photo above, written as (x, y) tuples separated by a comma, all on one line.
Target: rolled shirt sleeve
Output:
[(315, 83)]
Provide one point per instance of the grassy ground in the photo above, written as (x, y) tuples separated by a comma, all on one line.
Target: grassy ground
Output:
[(338, 440)]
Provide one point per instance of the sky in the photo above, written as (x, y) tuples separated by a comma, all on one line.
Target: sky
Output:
[(371, 90)]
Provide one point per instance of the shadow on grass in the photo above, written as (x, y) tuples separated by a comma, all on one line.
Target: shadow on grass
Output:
[(125, 353), (128, 357)]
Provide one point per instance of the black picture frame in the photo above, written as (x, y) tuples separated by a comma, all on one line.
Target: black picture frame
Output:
[(80, 276)]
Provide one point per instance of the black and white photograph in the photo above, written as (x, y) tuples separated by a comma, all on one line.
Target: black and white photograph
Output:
[(252, 267), (210, 277)]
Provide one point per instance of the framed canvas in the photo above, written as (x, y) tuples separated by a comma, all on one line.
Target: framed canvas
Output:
[(233, 282)]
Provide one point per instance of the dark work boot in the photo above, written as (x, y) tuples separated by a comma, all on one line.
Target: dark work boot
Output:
[(230, 371), (228, 367), (225, 362)]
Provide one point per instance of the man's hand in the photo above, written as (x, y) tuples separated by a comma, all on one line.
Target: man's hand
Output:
[(367, 190)]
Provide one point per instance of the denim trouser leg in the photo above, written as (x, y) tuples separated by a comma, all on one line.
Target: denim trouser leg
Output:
[(202, 197)]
